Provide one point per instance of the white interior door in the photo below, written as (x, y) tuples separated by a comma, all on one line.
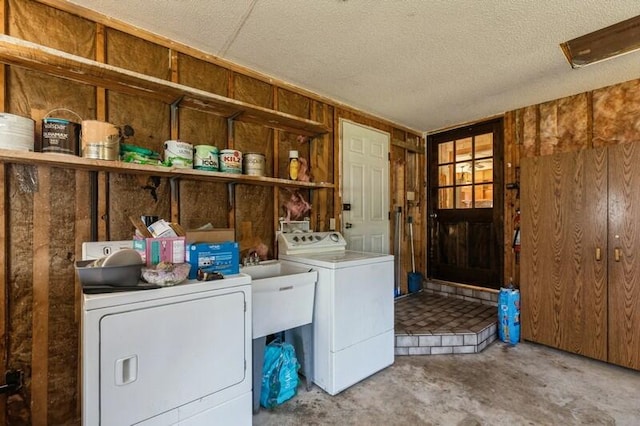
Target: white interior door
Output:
[(365, 187)]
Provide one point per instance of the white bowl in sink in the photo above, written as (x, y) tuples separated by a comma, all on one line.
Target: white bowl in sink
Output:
[(282, 296)]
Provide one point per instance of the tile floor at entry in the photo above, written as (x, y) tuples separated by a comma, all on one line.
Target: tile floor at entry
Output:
[(430, 324)]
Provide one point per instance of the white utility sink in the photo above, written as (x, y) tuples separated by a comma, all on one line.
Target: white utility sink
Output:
[(282, 296)]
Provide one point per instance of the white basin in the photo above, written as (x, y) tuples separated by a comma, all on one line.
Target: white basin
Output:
[(282, 296)]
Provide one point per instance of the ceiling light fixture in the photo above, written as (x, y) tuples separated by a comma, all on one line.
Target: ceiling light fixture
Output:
[(615, 40)]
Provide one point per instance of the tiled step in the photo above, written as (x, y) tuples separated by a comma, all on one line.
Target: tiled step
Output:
[(445, 343), (430, 324)]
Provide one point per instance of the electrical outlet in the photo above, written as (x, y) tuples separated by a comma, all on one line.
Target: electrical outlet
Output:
[(332, 224)]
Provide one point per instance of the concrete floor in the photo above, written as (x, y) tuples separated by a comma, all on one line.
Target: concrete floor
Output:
[(526, 384)]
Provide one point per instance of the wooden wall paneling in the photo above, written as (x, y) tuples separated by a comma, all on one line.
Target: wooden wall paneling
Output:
[(101, 56), (624, 235), (32, 21), (511, 202), (4, 280), (4, 247), (616, 114), (398, 171), (4, 5)]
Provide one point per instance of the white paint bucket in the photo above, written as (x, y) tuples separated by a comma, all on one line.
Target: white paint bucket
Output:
[(16, 132), (231, 161), (254, 164), (100, 140), (178, 154), (205, 157)]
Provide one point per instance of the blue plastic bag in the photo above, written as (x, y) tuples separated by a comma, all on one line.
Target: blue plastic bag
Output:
[(509, 315), (279, 374)]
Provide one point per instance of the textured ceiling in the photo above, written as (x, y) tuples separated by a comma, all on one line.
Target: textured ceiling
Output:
[(424, 64)]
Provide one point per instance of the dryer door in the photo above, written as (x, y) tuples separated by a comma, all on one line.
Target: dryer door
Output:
[(155, 359)]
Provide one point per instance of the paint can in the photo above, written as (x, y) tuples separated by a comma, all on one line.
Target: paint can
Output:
[(205, 157), (253, 164), (60, 135), (231, 161), (178, 154), (100, 140), (16, 132)]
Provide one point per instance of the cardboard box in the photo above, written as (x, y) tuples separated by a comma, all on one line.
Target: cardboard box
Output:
[(213, 257), (215, 235), (156, 250)]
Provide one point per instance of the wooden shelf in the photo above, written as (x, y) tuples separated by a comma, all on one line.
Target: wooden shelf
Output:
[(21, 53), (74, 162)]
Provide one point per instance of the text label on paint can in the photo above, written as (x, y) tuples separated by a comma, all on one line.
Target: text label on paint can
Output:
[(60, 135), (231, 161), (254, 164), (205, 157), (100, 140), (178, 154)]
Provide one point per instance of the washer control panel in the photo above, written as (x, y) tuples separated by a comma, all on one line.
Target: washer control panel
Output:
[(310, 242)]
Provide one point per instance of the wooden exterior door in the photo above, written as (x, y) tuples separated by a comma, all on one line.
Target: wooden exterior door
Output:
[(563, 278), (465, 199), (624, 255)]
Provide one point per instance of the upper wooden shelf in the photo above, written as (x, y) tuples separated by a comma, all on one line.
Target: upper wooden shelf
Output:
[(74, 162), (22, 53)]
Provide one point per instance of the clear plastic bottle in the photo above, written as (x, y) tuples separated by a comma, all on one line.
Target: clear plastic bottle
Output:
[(294, 165)]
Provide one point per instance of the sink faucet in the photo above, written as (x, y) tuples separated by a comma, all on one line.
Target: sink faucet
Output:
[(252, 258)]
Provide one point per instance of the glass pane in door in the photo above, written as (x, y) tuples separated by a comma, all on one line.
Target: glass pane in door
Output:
[(445, 152)]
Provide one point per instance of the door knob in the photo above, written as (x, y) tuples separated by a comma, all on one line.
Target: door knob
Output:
[(433, 215), (348, 225)]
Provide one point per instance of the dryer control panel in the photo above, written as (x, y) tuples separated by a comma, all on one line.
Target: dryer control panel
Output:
[(310, 242)]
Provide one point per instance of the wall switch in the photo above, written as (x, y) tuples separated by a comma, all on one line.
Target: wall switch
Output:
[(332, 224), (411, 195)]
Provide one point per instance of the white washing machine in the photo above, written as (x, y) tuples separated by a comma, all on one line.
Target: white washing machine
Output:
[(177, 355), (353, 324)]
